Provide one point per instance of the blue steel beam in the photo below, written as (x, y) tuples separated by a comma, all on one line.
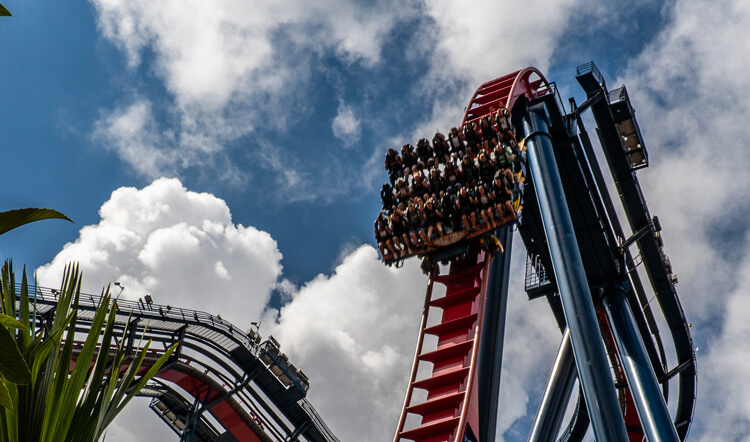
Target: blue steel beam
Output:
[(556, 395), (649, 402), (588, 347), (490, 357)]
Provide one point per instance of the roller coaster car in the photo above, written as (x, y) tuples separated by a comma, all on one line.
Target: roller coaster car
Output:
[(450, 245)]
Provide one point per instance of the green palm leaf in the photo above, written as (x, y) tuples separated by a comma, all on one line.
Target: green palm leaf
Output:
[(16, 218), (13, 367)]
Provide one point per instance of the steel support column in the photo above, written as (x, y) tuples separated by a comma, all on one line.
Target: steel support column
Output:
[(649, 402), (490, 359), (556, 395), (588, 347)]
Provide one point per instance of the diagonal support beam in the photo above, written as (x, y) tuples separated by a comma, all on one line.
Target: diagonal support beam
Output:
[(559, 386), (649, 403)]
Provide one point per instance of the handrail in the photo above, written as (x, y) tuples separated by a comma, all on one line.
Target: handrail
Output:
[(415, 363)]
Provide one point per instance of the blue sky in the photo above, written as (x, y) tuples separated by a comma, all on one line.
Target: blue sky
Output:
[(236, 148)]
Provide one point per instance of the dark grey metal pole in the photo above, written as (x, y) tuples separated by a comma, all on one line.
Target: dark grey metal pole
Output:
[(588, 347), (649, 402), (556, 395), (490, 353)]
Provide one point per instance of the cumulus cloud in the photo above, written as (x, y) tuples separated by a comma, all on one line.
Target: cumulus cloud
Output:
[(346, 126), (179, 246), (466, 47), (698, 176), (492, 38), (725, 367), (236, 66), (685, 88), (132, 133), (229, 67), (354, 333)]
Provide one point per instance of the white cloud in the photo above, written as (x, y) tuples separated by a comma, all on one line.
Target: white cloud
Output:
[(228, 68), (346, 126), (235, 66), (494, 38), (724, 369), (353, 333), (686, 86), (132, 133), (469, 46), (179, 246)]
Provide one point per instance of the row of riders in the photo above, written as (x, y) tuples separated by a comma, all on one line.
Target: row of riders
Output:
[(464, 181)]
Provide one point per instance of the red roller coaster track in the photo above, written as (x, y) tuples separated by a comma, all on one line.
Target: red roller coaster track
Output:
[(450, 409)]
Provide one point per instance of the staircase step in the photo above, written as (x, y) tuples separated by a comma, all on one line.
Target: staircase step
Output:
[(456, 376), (459, 324), (468, 295), (447, 352), (470, 273), (431, 430), (447, 402)]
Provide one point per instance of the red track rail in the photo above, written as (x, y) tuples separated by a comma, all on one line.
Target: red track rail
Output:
[(450, 409), (504, 91), (244, 427), (447, 410)]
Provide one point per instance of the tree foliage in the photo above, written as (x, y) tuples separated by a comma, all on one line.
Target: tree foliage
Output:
[(52, 387), (42, 397)]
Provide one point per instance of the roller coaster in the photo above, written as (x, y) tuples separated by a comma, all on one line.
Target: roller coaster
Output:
[(221, 384), (581, 259)]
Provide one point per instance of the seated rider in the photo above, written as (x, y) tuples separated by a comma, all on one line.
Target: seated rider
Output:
[(408, 156), (437, 183), (383, 237), (486, 203), (486, 167), (503, 195), (488, 132), (451, 174), (399, 231), (424, 150), (419, 186), (471, 138), (466, 206), (502, 119), (392, 165), (386, 196), (433, 218), (402, 191), (469, 171), (455, 139), (415, 223), (448, 206), (440, 148), (503, 157)]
